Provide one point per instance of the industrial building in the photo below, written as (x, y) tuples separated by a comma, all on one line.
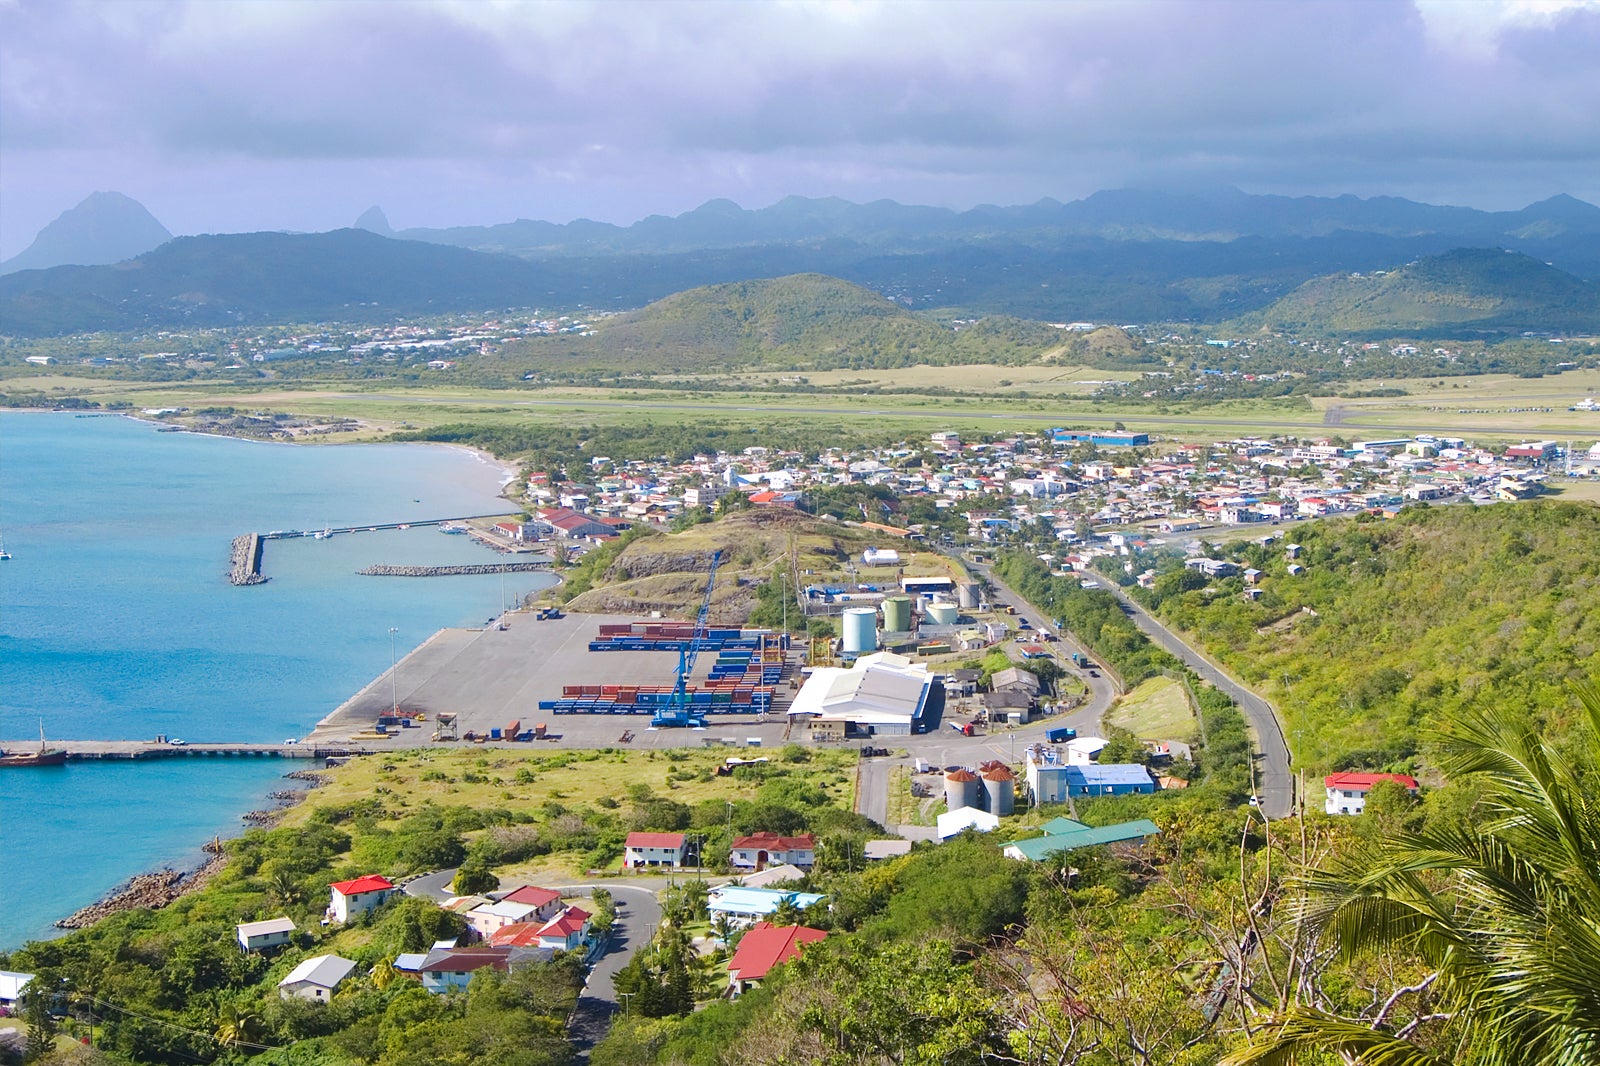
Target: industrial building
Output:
[(1052, 779), (883, 694)]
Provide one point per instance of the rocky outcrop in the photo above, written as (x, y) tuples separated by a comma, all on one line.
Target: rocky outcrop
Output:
[(246, 565), (154, 890)]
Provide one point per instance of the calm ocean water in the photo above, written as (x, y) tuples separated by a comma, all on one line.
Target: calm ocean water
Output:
[(117, 621)]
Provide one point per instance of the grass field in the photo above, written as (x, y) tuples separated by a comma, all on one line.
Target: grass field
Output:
[(906, 809), (1489, 407), (1156, 710), (573, 777)]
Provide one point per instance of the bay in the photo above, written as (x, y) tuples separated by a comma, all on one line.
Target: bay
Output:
[(117, 622)]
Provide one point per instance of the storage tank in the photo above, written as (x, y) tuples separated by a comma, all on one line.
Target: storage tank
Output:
[(943, 614), (897, 614), (999, 787), (860, 630), (961, 789), (968, 596)]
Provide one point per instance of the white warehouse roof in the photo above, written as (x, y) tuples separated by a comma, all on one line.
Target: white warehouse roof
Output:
[(882, 688)]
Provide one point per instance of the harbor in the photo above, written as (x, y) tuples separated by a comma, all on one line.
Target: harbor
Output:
[(247, 557)]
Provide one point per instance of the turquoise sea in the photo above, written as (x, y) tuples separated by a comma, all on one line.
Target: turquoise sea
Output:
[(117, 622)]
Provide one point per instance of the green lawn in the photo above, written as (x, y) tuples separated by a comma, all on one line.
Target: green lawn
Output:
[(1156, 710)]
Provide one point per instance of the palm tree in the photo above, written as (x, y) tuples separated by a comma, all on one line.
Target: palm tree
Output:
[(1505, 912), (237, 1025)]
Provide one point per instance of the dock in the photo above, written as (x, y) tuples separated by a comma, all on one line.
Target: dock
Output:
[(280, 534), (101, 750), (246, 557)]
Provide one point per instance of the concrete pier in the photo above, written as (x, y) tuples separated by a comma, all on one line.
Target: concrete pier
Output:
[(95, 750), (385, 570)]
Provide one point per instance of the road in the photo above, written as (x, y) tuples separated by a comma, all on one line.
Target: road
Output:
[(638, 915), (942, 746), (1274, 782)]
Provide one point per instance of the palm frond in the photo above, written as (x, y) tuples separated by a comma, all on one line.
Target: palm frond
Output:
[(1304, 1033)]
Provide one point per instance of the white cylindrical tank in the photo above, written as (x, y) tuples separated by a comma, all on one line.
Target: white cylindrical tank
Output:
[(968, 596), (999, 786), (860, 630), (961, 789), (943, 614)]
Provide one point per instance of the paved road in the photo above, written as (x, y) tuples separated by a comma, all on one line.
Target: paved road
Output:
[(1274, 782), (638, 915)]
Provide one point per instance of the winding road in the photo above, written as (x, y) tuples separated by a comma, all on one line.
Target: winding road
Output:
[(1274, 783)]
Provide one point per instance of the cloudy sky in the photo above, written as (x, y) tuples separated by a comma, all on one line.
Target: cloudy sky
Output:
[(275, 114)]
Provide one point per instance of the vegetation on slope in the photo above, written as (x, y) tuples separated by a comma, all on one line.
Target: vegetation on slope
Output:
[(1465, 289), (1395, 623)]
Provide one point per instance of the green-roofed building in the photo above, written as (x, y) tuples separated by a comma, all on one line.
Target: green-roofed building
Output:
[(1074, 835)]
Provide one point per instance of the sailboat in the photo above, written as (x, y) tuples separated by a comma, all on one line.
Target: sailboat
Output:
[(43, 757), (3, 553)]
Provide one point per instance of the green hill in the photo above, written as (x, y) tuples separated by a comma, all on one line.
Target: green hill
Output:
[(1395, 624), (803, 321), (1472, 288)]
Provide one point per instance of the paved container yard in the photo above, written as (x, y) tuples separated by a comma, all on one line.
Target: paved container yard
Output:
[(489, 677)]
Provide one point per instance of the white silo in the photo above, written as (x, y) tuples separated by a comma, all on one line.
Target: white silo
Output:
[(961, 789), (968, 596), (942, 614), (860, 630), (999, 786)]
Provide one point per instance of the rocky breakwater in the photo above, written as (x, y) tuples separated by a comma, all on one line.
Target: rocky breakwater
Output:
[(246, 566), (452, 571)]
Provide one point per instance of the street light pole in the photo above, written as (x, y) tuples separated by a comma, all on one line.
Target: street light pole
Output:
[(394, 663)]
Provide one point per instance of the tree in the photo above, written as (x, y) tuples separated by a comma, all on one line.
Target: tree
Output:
[(1504, 912), (237, 1024), (474, 879)]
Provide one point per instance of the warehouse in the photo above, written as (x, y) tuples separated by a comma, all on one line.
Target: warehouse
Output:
[(883, 694)]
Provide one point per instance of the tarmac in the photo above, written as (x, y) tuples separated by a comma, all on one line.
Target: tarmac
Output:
[(492, 676)]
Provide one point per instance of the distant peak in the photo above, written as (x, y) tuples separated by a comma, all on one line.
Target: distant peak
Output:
[(373, 220)]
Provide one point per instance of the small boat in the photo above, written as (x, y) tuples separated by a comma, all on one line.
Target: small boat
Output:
[(43, 757), (3, 553), (452, 528), (402, 525), (324, 535)]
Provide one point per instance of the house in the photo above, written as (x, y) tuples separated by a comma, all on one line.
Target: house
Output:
[(1347, 792), (772, 875), (449, 970), (746, 906), (654, 849), (567, 931), (316, 978), (545, 901), (764, 947), (352, 899), (1064, 834), (272, 933), (489, 918), (754, 852), (11, 985), (1015, 679)]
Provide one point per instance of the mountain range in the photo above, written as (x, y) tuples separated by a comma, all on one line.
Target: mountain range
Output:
[(1122, 256)]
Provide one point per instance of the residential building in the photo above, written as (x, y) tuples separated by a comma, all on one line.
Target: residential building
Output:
[(763, 948), (1064, 834), (1347, 791), (258, 936), (746, 906), (352, 899), (654, 849), (757, 851), (316, 979), (11, 985), (451, 970)]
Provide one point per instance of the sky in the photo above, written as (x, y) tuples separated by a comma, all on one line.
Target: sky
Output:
[(277, 114)]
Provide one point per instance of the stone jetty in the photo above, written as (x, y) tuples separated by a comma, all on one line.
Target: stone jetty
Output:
[(246, 568), (452, 571)]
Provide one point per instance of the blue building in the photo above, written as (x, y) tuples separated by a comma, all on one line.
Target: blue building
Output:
[(1052, 780), (1102, 440)]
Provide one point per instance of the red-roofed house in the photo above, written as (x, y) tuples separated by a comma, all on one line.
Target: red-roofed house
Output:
[(352, 899), (764, 947), (655, 849), (566, 931), (1347, 792), (546, 900), (756, 851)]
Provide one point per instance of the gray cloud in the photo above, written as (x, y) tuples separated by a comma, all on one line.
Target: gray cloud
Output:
[(286, 114)]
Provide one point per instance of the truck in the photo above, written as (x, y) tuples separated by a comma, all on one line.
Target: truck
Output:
[(1079, 659), (966, 729), (1060, 735)]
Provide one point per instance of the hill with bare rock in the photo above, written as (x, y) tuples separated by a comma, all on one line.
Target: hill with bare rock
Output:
[(667, 572)]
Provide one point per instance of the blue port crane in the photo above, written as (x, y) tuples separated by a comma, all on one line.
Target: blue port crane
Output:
[(679, 711)]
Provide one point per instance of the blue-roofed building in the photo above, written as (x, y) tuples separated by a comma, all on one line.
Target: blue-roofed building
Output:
[(746, 906), (1051, 779)]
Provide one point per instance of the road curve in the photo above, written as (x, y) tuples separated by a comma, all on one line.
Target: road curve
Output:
[(1274, 782)]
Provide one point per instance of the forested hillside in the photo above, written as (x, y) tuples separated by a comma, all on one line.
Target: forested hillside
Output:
[(1393, 624)]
